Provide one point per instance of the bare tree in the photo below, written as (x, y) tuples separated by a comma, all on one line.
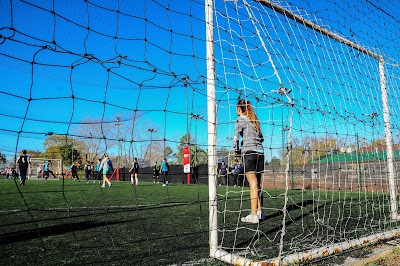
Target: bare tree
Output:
[(96, 136), (311, 148)]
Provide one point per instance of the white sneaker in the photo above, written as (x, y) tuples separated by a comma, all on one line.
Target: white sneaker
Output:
[(251, 218), (261, 215), (94, 182), (109, 184), (166, 182), (103, 185), (163, 185)]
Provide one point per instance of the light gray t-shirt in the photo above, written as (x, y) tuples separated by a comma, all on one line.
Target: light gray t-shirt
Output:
[(106, 164), (251, 139)]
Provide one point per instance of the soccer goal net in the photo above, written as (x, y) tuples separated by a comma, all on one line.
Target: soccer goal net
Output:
[(324, 103), (154, 83), (37, 168)]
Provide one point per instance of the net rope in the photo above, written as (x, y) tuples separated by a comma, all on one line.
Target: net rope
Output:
[(99, 75)]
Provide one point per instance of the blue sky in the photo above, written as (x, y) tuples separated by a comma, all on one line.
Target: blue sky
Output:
[(146, 64), (128, 74)]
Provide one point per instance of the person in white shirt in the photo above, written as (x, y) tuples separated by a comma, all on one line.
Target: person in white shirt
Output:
[(106, 168)]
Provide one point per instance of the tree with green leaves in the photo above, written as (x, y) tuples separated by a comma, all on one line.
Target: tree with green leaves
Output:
[(303, 152), (197, 154), (185, 141), (378, 143), (69, 154), (275, 162), (34, 154), (168, 152), (63, 147)]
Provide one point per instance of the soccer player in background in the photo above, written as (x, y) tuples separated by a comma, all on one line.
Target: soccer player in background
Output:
[(88, 171), (39, 171), (223, 174), (134, 172), (106, 168), (164, 171), (23, 162), (237, 172), (74, 171), (47, 170), (97, 174), (156, 173)]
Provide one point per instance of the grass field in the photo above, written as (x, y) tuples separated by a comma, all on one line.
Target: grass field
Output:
[(48, 223), (69, 222)]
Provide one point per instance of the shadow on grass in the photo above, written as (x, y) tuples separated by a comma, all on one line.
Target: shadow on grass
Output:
[(277, 214), (25, 235)]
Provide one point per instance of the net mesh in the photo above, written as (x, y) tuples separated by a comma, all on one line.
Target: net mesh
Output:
[(320, 105)]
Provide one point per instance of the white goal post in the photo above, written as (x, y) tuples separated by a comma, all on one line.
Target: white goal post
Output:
[(37, 166)]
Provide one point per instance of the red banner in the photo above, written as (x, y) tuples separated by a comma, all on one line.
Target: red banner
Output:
[(186, 160)]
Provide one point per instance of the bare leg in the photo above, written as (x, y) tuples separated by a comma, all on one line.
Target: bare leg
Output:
[(254, 193), (105, 179)]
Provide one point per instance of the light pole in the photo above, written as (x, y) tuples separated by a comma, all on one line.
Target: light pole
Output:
[(286, 155), (197, 117), (118, 125), (72, 151), (151, 130), (89, 148)]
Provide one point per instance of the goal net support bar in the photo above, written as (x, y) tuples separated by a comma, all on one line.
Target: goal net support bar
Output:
[(303, 257)]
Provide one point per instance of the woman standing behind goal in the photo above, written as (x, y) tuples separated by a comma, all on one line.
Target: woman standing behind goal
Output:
[(248, 128)]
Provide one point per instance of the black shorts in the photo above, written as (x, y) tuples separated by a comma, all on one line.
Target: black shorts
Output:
[(253, 161)]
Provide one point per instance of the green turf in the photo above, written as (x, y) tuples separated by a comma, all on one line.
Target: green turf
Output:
[(49, 223), (69, 222)]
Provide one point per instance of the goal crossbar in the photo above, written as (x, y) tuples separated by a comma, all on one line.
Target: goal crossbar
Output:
[(315, 27)]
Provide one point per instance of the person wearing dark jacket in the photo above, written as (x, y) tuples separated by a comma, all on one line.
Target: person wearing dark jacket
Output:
[(23, 162)]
